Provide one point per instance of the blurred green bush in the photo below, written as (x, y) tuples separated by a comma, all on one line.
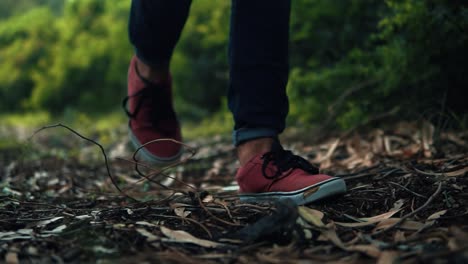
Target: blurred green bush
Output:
[(376, 57), (350, 60)]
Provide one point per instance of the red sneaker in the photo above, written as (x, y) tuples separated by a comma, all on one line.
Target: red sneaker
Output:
[(152, 117), (279, 174)]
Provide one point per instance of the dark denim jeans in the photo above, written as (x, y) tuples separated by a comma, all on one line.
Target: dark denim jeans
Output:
[(258, 56)]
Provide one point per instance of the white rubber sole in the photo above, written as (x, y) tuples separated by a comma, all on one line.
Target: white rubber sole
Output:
[(306, 195), (146, 156)]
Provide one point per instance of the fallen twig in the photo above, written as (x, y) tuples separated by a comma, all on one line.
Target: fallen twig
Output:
[(402, 219), (408, 190), (114, 182), (189, 148), (214, 216), (149, 177), (188, 219)]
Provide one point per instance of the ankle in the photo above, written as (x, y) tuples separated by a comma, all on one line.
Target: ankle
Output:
[(247, 150), (152, 73)]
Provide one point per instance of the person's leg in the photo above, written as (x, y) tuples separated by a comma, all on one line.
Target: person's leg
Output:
[(154, 29), (258, 58)]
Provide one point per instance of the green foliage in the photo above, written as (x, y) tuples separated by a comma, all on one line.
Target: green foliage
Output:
[(404, 53), (23, 50), (87, 69), (219, 123), (349, 59), (35, 119), (10, 8), (66, 62), (200, 60)]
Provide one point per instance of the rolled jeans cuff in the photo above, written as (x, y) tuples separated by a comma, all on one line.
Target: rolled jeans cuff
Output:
[(245, 134)]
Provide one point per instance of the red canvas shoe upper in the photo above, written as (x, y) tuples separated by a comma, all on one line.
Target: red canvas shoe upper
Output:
[(278, 171), (151, 113)]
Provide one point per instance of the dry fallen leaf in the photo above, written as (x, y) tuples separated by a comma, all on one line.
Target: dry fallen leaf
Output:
[(119, 226), (208, 199), (447, 174), (330, 151), (459, 172), (312, 216), (388, 257), (329, 234), (46, 222), (381, 217), (149, 236), (18, 234), (427, 133), (399, 236), (180, 236), (83, 217), (436, 215), (11, 258), (370, 250), (370, 220), (144, 223), (460, 238), (378, 144), (398, 204), (407, 224), (56, 230), (180, 211), (357, 224), (104, 250)]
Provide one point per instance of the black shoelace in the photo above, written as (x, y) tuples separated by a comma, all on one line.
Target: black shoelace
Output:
[(151, 94), (285, 160)]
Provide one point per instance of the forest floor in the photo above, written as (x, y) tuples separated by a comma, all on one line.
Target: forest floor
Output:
[(407, 202)]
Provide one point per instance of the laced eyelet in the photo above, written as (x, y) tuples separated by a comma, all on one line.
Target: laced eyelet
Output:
[(283, 161), (150, 95)]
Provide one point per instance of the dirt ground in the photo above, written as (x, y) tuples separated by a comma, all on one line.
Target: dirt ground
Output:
[(407, 202)]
